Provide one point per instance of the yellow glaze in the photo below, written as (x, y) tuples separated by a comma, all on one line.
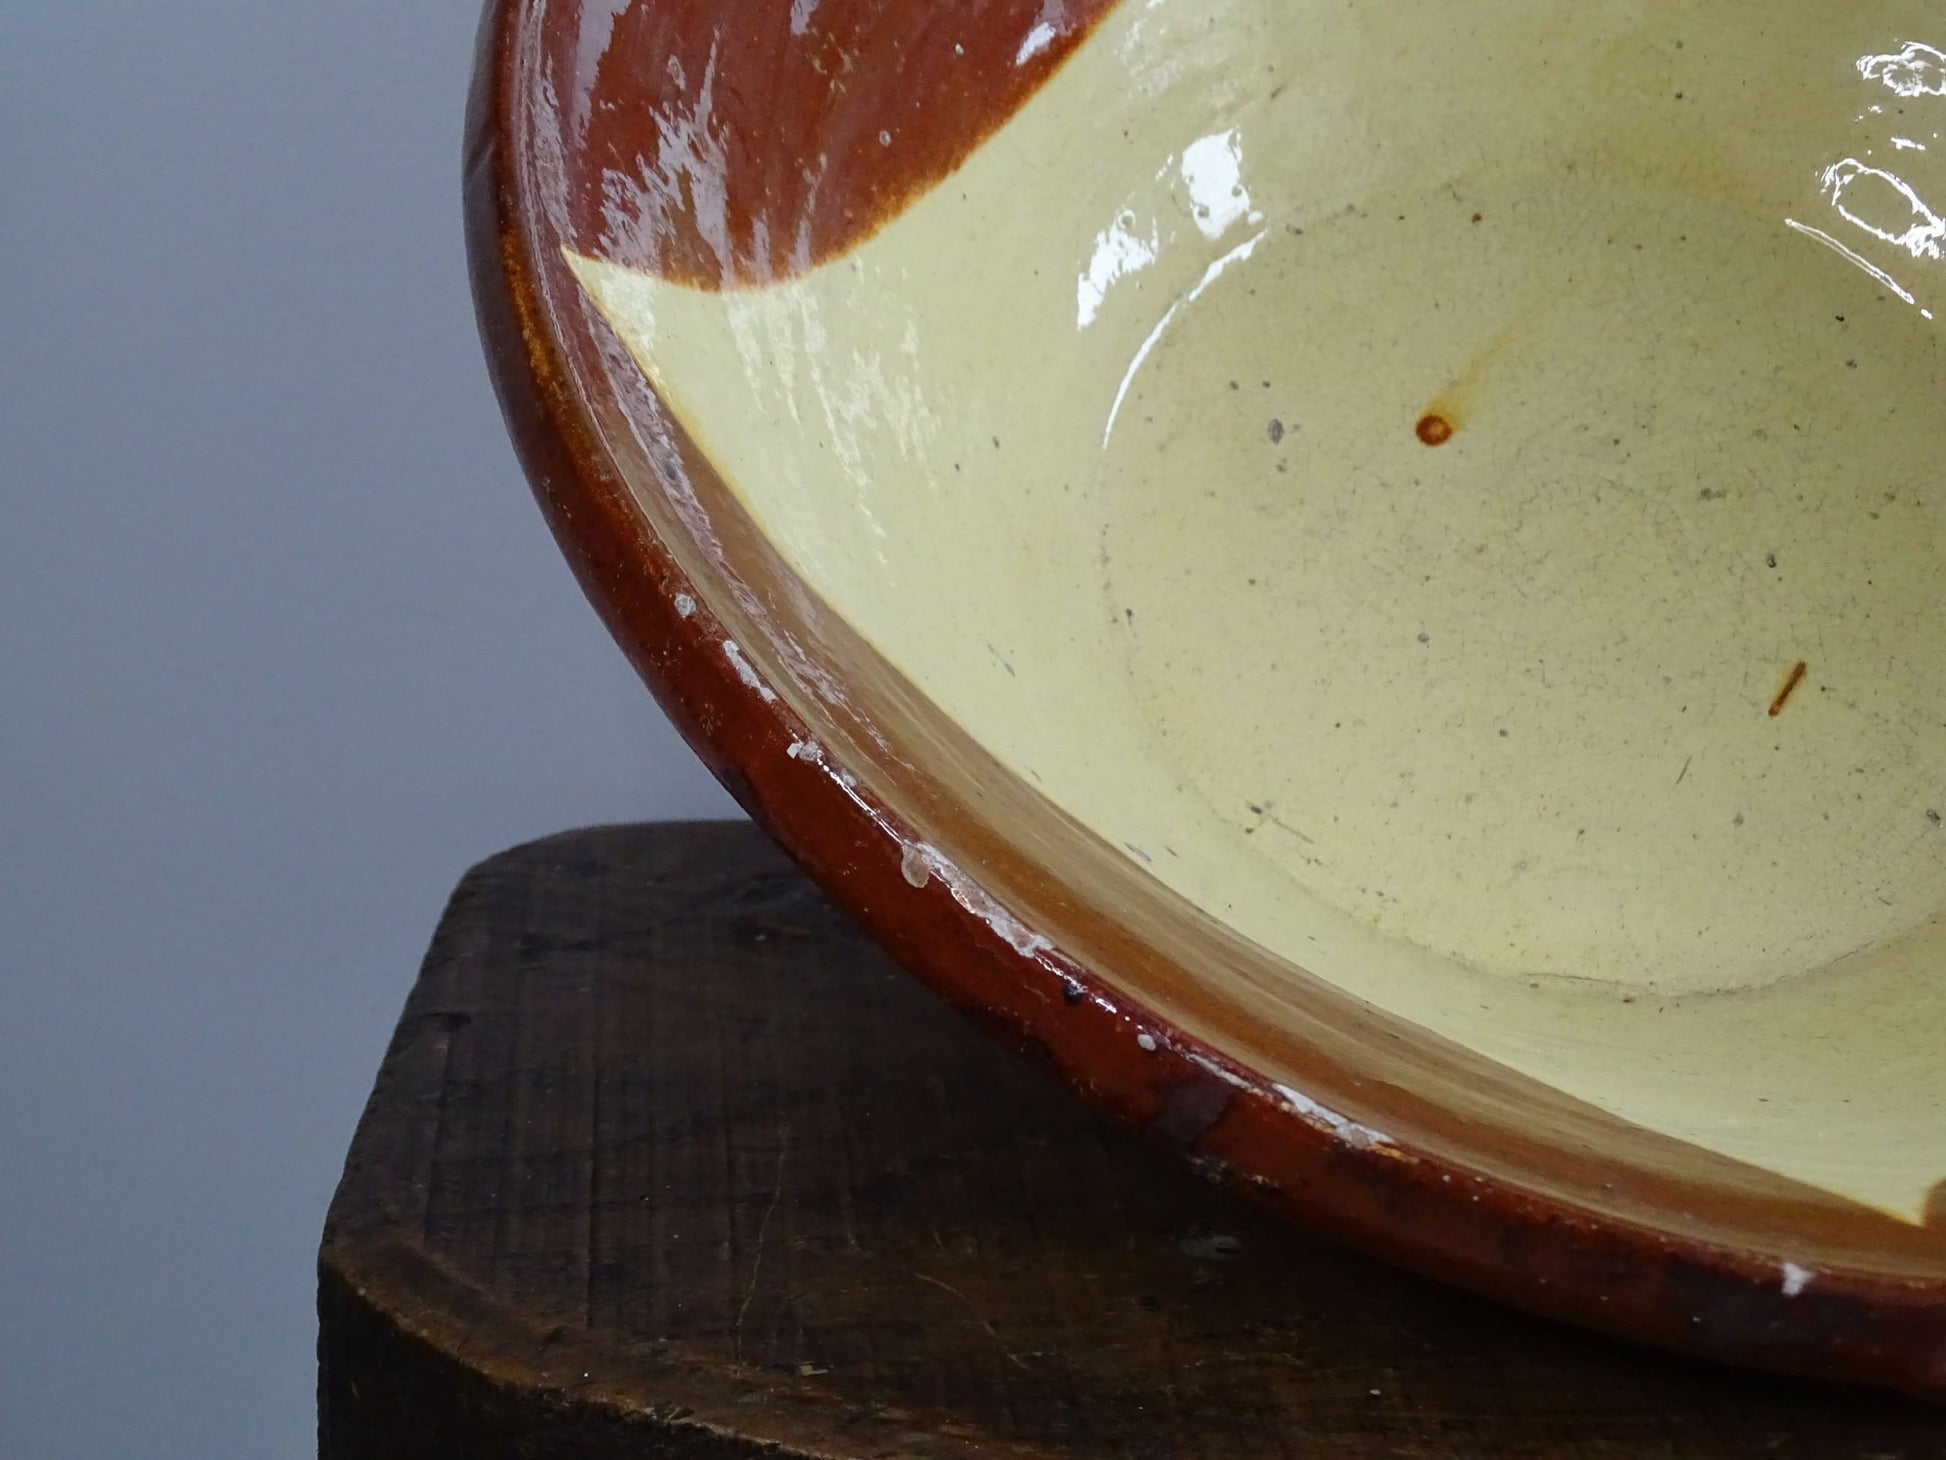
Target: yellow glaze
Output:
[(1116, 445)]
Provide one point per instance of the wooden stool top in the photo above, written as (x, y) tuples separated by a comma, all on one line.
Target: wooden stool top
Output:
[(667, 1159)]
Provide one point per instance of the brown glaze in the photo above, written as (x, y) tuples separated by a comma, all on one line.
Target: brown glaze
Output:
[(1791, 682), (1433, 429), (744, 140), (1488, 1179)]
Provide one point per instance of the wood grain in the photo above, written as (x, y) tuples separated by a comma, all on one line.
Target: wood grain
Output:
[(667, 1159)]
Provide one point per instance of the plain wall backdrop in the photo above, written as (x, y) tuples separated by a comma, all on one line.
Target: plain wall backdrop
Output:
[(284, 646)]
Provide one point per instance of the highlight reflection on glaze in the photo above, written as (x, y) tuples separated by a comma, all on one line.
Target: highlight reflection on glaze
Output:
[(1856, 189), (1872, 204), (1915, 69)]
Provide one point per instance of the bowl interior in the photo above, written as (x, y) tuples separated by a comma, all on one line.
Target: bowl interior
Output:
[(1426, 519)]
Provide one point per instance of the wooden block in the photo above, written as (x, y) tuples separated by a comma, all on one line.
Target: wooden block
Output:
[(667, 1160)]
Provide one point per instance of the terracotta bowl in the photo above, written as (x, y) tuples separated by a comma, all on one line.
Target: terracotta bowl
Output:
[(1365, 577)]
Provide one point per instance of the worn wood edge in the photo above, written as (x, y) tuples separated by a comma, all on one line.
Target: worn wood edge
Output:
[(479, 1369), (458, 1364), (422, 1384)]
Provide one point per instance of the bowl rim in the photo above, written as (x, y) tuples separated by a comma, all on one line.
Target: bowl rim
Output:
[(1403, 1203)]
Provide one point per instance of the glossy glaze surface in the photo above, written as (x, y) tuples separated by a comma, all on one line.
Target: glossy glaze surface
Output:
[(1315, 544)]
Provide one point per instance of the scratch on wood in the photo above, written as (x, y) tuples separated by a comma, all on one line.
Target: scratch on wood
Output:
[(1791, 682), (978, 1317), (1684, 771), (763, 1230)]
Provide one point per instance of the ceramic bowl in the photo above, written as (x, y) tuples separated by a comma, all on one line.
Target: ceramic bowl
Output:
[(1366, 578)]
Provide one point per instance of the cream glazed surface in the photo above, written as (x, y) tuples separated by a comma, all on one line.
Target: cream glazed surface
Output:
[(1480, 543)]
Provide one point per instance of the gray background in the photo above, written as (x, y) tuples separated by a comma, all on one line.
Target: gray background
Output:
[(284, 646)]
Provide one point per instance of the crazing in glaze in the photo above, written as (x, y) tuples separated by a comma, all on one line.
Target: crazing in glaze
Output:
[(920, 863), (1349, 1131)]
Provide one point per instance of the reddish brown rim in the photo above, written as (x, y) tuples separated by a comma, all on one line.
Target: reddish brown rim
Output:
[(1400, 1200)]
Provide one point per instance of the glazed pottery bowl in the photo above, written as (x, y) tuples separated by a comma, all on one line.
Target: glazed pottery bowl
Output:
[(1366, 578)]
